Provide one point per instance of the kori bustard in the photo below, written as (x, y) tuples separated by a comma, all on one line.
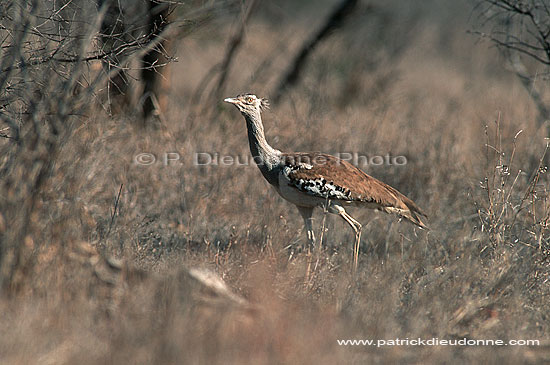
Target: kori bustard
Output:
[(313, 179)]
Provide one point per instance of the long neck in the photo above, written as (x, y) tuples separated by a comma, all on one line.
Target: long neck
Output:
[(266, 157)]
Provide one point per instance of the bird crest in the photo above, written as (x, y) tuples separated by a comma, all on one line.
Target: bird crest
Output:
[(264, 103)]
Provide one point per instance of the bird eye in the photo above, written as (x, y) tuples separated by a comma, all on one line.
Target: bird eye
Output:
[(249, 99)]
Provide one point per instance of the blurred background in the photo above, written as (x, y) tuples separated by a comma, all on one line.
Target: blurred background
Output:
[(117, 247)]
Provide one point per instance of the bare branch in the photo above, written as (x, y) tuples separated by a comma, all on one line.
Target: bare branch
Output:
[(232, 48), (336, 18), (520, 28)]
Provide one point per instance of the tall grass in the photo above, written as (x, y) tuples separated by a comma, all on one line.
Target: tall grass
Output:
[(108, 275)]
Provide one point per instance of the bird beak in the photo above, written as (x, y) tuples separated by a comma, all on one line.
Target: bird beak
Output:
[(231, 100)]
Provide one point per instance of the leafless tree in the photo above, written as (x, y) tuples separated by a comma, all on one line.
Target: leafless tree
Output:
[(124, 22), (521, 30), (51, 56)]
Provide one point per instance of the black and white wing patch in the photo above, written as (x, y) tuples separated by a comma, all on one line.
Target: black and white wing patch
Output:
[(302, 177)]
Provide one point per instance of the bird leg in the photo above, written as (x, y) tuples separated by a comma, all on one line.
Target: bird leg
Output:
[(307, 213), (355, 225), (357, 228)]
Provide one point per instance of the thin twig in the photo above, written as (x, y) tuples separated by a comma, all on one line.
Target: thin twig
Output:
[(114, 211)]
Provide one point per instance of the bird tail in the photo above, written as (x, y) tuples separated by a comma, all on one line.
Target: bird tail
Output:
[(411, 213)]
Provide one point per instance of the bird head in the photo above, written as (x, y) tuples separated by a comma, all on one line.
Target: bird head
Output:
[(248, 104)]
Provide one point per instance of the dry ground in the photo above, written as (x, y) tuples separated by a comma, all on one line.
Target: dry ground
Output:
[(414, 85)]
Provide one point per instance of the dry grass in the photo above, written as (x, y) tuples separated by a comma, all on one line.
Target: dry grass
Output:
[(482, 272)]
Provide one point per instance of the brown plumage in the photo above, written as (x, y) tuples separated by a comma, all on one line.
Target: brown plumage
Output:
[(357, 187), (311, 180)]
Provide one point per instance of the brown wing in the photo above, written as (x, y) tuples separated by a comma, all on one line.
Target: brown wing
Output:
[(327, 176)]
